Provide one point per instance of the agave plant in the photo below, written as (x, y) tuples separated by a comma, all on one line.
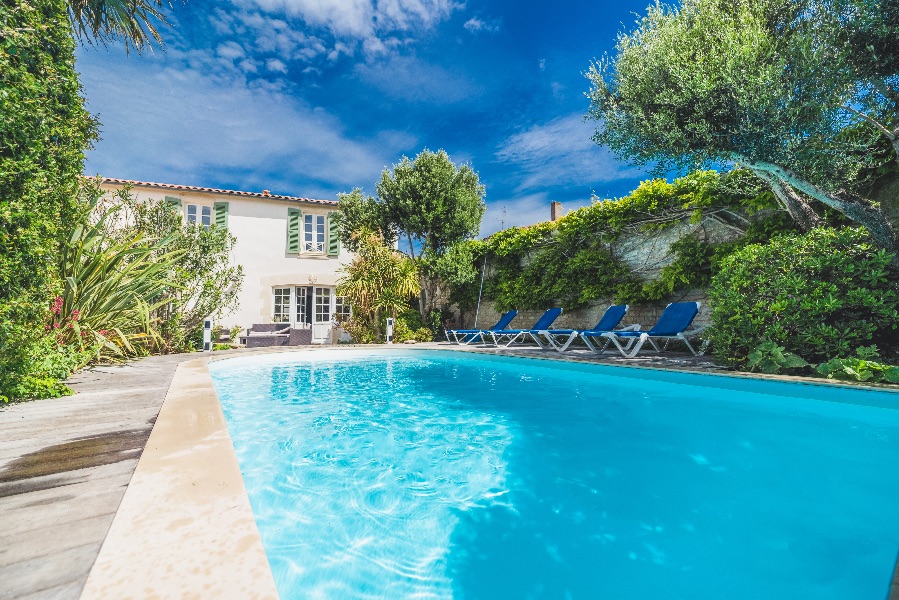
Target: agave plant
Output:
[(111, 286)]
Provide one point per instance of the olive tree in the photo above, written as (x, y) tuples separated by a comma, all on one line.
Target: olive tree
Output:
[(718, 81)]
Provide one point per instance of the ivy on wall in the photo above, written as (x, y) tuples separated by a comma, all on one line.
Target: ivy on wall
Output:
[(573, 261)]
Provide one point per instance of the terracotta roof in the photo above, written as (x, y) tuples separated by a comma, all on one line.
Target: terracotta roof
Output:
[(193, 188)]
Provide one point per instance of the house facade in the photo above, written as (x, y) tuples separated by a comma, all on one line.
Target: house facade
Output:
[(287, 245)]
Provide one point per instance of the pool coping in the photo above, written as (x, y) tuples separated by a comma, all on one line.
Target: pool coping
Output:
[(185, 527)]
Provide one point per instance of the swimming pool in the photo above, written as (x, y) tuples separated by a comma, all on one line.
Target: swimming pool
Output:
[(440, 474)]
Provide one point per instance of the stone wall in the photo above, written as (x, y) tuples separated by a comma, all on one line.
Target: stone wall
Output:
[(646, 254), (645, 314)]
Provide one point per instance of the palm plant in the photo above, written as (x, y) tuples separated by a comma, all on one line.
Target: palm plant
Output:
[(111, 287), (131, 21), (379, 279)]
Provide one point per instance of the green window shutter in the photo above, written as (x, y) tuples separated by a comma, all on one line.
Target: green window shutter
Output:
[(220, 215), (173, 203), (293, 230), (333, 240)]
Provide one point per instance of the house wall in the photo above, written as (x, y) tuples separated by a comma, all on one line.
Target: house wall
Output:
[(260, 227)]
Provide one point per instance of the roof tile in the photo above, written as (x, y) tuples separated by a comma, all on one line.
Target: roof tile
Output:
[(194, 188)]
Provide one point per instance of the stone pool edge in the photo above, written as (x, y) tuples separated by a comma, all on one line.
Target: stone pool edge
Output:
[(184, 527)]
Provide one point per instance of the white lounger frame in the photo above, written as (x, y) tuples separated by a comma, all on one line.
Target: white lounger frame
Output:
[(634, 344)]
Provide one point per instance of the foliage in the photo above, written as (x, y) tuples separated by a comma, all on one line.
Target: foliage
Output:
[(770, 358), (432, 201), (860, 368), (428, 202), (204, 281), (379, 281), (357, 213), (573, 261), (113, 283), (131, 21), (738, 82), (44, 132), (817, 295)]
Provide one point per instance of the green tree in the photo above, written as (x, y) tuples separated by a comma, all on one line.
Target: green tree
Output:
[(720, 81), (379, 279), (428, 202), (862, 36), (44, 133), (204, 281)]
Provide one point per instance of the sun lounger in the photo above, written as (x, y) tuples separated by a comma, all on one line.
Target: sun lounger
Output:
[(510, 336), (561, 339), (672, 325), (471, 336)]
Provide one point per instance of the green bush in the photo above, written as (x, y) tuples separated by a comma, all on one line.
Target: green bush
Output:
[(44, 132), (861, 367), (818, 295)]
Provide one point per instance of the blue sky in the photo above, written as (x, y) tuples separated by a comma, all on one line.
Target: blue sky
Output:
[(315, 97)]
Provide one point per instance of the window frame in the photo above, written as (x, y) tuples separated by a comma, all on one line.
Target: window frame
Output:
[(314, 234), (203, 212), (279, 308)]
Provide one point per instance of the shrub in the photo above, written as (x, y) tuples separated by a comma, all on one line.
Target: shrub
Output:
[(860, 368), (44, 132), (818, 295)]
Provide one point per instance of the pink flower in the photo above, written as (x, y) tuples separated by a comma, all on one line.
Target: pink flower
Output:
[(57, 305), (76, 314), (56, 326)]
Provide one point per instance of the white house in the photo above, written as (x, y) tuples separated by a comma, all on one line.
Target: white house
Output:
[(287, 245)]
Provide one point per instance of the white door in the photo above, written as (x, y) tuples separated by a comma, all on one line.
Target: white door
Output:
[(321, 320)]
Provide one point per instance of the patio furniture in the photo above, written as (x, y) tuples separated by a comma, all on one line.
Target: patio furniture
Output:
[(561, 339), (672, 325), (470, 336), (514, 335)]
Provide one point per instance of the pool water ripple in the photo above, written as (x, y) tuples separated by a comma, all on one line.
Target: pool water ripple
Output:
[(438, 475)]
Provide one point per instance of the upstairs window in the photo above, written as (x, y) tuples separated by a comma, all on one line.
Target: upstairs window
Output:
[(199, 215), (313, 233)]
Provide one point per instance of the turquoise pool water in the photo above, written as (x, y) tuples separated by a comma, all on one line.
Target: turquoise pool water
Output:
[(444, 475)]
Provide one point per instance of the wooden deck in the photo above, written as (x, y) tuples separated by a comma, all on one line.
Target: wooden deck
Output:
[(64, 466)]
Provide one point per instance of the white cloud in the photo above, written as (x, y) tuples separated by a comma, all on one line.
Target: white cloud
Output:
[(411, 79), (373, 23), (275, 66), (476, 24), (515, 212), (181, 126), (561, 152), (230, 51)]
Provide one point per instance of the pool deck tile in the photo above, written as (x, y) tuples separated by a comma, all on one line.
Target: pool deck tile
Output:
[(185, 528)]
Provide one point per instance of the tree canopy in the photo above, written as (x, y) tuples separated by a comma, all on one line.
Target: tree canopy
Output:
[(429, 201), (749, 82)]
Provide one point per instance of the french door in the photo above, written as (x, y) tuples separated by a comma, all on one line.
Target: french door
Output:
[(313, 309)]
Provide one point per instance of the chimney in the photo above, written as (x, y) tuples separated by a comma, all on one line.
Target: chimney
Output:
[(266, 193), (555, 211)]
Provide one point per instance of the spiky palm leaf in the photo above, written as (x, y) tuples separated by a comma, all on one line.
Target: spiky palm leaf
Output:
[(111, 286), (131, 21)]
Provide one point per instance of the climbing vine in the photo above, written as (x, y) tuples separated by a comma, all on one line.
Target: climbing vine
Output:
[(576, 259)]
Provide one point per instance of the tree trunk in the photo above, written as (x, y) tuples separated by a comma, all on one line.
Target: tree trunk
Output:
[(800, 210), (423, 298), (852, 206)]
